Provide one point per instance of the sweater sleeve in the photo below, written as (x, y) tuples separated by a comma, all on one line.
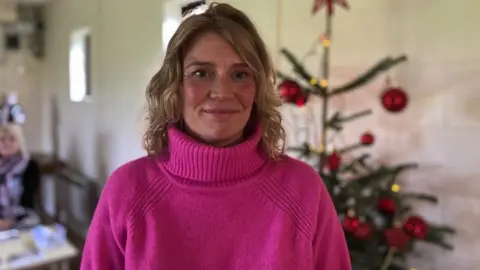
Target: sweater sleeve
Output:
[(105, 242), (330, 247)]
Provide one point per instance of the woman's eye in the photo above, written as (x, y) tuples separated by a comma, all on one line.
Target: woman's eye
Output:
[(240, 75), (200, 73)]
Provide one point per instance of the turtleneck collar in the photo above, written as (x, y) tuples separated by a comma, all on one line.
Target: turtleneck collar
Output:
[(189, 159)]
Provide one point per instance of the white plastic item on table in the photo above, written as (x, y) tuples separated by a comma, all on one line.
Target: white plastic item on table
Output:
[(42, 245)]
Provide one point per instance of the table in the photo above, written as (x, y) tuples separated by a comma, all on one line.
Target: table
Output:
[(56, 258)]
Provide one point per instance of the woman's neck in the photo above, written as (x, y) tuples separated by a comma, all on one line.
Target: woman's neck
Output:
[(222, 142), (191, 159)]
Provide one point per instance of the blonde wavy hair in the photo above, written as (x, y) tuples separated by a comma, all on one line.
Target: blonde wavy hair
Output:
[(164, 95), (16, 132)]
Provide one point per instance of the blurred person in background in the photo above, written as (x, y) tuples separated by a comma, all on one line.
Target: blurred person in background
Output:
[(19, 179)]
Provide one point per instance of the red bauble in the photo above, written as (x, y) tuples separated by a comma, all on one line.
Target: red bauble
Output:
[(333, 161), (396, 237), (291, 92), (416, 227), (350, 224), (387, 205), (301, 101), (364, 231), (367, 138), (394, 99)]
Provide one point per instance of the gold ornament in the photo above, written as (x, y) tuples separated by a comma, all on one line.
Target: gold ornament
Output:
[(321, 148), (395, 188), (323, 83), (326, 43)]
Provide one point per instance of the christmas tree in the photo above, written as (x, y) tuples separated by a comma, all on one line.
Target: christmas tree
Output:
[(379, 223)]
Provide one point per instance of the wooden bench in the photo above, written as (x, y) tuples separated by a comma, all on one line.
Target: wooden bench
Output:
[(67, 197)]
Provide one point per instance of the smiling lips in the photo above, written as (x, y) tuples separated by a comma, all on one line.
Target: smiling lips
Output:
[(220, 114)]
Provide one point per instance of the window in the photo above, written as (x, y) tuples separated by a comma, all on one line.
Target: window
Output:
[(188, 7), (169, 27), (79, 65), (174, 12)]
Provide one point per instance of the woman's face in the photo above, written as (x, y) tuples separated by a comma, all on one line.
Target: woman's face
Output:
[(8, 145), (218, 91)]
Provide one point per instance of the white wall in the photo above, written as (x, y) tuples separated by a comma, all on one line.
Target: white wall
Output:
[(98, 136), (20, 72), (439, 128)]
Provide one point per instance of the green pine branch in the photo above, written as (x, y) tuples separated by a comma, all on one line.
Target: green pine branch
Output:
[(337, 120), (437, 234), (420, 196), (404, 210), (349, 148), (297, 66), (331, 181), (396, 170), (363, 79), (305, 150), (359, 161), (301, 71), (283, 76), (444, 229), (362, 162), (376, 177), (398, 267), (370, 180)]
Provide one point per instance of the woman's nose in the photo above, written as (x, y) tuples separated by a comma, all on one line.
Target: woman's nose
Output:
[(221, 88)]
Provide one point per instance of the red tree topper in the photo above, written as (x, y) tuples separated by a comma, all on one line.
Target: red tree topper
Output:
[(319, 4)]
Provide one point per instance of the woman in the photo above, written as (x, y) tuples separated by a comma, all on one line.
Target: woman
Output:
[(216, 191), (19, 179)]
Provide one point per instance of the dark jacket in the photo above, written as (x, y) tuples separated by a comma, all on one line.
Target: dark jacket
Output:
[(31, 184)]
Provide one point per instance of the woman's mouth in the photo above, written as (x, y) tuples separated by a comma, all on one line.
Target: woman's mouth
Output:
[(220, 114)]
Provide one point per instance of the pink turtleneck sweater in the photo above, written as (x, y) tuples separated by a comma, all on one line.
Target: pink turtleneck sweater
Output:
[(207, 208)]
